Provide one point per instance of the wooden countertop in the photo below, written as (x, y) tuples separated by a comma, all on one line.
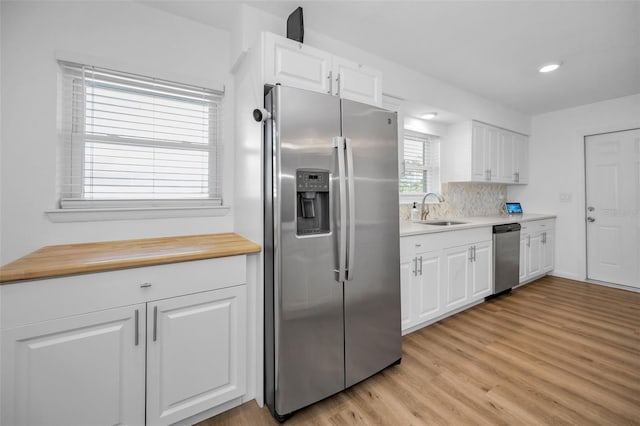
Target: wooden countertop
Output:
[(68, 259)]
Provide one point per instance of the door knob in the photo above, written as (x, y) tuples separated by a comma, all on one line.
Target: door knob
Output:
[(590, 219), (591, 208)]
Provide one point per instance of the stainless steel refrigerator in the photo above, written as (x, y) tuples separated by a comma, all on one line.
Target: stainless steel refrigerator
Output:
[(332, 262)]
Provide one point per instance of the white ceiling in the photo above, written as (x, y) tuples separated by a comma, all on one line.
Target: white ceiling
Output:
[(491, 48)]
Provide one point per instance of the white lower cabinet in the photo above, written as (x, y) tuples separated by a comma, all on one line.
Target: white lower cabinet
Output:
[(195, 353), (426, 286), (443, 272), (81, 370), (481, 275), (537, 253), (456, 261), (177, 355)]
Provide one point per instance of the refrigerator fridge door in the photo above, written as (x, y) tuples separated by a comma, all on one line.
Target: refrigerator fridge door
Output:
[(372, 288), (308, 333)]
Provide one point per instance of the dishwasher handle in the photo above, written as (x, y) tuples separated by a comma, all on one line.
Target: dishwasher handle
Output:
[(507, 227)]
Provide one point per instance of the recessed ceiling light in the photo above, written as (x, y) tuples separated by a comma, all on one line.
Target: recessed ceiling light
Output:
[(549, 67), (429, 116)]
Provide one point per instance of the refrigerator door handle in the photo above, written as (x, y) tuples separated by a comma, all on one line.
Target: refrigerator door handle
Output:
[(352, 211), (338, 142)]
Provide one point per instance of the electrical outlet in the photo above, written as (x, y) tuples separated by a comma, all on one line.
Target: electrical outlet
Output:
[(565, 197)]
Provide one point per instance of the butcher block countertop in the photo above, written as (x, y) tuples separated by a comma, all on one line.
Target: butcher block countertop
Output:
[(68, 259)]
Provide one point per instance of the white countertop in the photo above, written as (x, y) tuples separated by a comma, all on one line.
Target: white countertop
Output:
[(413, 228)]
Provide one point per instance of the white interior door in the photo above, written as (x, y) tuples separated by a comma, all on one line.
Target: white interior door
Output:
[(613, 207)]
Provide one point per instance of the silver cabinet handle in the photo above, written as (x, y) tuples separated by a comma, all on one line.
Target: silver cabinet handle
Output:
[(471, 254), (591, 219), (415, 267), (528, 240), (155, 323), (342, 249), (544, 238), (330, 78), (474, 253), (145, 285), (591, 208), (420, 265), (349, 268), (338, 84), (137, 326)]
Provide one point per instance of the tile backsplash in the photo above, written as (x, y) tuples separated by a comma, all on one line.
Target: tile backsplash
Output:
[(464, 199)]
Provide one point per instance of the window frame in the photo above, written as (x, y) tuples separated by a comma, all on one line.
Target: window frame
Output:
[(410, 197), (72, 168)]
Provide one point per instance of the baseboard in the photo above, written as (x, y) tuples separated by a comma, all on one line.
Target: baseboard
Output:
[(567, 275), (439, 318), (210, 413), (612, 285)]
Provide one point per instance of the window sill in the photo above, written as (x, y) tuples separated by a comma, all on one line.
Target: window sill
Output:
[(133, 213)]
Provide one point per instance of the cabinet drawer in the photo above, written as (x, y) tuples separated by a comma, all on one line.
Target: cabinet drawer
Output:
[(538, 225), (28, 302), (441, 240)]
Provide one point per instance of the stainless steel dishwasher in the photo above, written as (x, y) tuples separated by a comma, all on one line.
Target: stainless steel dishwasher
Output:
[(506, 256)]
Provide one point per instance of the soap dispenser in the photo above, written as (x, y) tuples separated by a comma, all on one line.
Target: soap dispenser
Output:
[(415, 214)]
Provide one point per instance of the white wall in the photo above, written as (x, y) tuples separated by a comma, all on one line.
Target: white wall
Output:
[(133, 37), (557, 167)]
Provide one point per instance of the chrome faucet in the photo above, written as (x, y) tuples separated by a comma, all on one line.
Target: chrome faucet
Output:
[(424, 210)]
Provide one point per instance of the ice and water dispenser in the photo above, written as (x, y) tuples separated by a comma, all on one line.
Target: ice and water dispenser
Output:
[(312, 188)]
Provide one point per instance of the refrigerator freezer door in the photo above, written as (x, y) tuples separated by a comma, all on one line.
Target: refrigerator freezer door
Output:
[(372, 289), (308, 300)]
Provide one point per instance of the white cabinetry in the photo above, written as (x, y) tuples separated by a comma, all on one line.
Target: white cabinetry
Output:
[(295, 64), (81, 370), (477, 152), (537, 242), (97, 348), (443, 272), (195, 353)]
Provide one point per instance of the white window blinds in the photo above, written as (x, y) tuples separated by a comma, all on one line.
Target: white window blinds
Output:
[(133, 140), (421, 164)]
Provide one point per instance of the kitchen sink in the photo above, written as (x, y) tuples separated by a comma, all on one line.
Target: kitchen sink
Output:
[(441, 222)]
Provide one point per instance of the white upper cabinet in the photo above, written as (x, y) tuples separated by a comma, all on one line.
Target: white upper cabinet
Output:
[(357, 82), (478, 152), (294, 64), (521, 158)]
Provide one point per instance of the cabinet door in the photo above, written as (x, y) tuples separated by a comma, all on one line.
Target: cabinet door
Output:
[(507, 157), (534, 262), (407, 273), (357, 82), (297, 65), (427, 285), (455, 283), (80, 370), (547, 248), (195, 353), (481, 277), (478, 149), (522, 158), (524, 255), (491, 152)]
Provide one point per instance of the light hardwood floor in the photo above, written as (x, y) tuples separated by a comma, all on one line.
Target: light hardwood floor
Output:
[(553, 352)]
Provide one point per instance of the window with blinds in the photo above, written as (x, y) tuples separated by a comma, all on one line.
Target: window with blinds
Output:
[(130, 140), (421, 164)]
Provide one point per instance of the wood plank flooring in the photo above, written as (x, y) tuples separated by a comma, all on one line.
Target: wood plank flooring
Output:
[(556, 351)]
